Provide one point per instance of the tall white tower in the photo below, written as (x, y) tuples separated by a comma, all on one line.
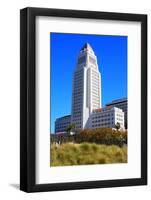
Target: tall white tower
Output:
[(86, 94)]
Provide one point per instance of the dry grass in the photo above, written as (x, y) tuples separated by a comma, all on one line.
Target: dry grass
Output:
[(87, 153)]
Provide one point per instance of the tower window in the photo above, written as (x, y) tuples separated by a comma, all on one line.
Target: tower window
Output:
[(82, 60), (92, 60)]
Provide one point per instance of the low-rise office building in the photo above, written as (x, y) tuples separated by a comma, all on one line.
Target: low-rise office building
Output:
[(107, 117), (62, 123), (122, 104)]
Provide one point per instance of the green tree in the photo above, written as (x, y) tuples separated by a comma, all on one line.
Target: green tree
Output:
[(117, 126), (70, 127)]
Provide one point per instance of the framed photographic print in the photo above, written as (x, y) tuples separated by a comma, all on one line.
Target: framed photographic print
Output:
[(83, 99)]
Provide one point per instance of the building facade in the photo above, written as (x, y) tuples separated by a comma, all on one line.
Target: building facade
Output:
[(62, 123), (86, 94), (122, 104), (107, 117)]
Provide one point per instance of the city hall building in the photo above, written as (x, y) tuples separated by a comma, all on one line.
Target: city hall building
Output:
[(86, 93), (86, 97)]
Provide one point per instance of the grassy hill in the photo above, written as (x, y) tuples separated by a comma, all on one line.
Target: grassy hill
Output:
[(87, 153)]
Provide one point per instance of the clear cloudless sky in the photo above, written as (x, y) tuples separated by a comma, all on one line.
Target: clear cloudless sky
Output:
[(111, 52)]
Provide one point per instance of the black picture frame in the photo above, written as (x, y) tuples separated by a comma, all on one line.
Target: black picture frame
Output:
[(28, 99)]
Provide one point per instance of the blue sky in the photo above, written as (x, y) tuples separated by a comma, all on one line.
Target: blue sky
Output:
[(111, 52)]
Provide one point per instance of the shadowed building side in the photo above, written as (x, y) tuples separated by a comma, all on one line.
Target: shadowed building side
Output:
[(62, 123)]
